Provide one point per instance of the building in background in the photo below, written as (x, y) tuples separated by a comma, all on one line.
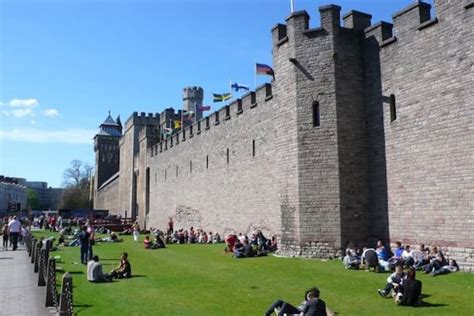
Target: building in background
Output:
[(12, 195)]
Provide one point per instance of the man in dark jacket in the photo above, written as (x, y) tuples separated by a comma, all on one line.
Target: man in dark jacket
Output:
[(311, 306), (410, 291), (84, 237)]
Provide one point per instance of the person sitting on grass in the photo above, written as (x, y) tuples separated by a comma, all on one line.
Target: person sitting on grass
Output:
[(383, 256), (410, 291), (147, 242), (94, 271), (244, 250), (230, 243), (394, 282), (159, 241), (124, 270), (370, 259), (397, 259), (311, 306), (350, 261), (451, 267)]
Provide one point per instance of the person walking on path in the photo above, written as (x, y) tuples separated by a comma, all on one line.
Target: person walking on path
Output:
[(5, 236), (14, 227)]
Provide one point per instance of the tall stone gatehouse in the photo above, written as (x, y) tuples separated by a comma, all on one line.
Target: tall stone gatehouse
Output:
[(365, 133)]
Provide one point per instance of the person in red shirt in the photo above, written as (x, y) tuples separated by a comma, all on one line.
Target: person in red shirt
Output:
[(147, 242), (230, 243)]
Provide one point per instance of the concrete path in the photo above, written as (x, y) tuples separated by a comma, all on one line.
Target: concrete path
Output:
[(19, 292)]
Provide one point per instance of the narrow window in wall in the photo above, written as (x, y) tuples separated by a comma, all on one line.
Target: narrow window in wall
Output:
[(190, 166), (393, 108), (176, 171), (207, 162), (253, 148), (156, 177), (227, 155), (316, 114), (165, 174)]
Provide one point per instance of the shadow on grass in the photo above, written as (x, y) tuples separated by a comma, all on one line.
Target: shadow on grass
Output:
[(76, 272), (426, 304), (82, 307)]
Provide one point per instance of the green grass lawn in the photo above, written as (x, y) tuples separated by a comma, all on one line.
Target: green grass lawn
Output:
[(203, 280)]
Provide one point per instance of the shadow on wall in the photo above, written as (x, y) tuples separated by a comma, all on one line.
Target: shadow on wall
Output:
[(378, 197)]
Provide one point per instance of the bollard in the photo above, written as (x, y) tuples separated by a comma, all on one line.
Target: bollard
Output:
[(42, 266), (65, 300), (33, 248), (51, 295), (37, 255)]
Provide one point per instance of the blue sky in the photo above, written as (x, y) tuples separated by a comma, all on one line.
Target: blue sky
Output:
[(64, 64)]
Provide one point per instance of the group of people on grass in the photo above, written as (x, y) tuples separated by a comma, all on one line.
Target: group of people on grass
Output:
[(193, 236), (383, 258), (402, 284), (96, 274), (244, 247)]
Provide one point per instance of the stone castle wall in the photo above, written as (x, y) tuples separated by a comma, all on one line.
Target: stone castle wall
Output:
[(107, 197), (210, 178), (355, 176), (427, 65)]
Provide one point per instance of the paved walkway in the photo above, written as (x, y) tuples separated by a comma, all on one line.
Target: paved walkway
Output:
[(19, 292)]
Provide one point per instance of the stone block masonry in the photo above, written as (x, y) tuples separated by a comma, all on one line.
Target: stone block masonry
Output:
[(366, 133)]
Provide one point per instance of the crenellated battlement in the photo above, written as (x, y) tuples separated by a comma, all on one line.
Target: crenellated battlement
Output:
[(250, 101), (361, 135), (406, 22), (142, 118)]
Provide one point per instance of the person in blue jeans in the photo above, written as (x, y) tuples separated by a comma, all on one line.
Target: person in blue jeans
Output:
[(84, 242), (394, 282)]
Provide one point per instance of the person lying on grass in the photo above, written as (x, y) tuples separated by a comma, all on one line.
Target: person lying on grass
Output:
[(94, 271), (311, 306), (124, 270)]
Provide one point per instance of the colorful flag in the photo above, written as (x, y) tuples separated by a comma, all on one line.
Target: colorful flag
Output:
[(263, 69), (167, 131), (177, 124), (188, 113), (236, 86), (222, 97), (202, 108)]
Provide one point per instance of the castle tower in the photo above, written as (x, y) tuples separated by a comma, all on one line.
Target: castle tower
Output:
[(322, 93), (106, 147), (192, 98)]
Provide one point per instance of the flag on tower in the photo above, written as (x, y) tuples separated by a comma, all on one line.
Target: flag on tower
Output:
[(222, 97), (167, 131), (263, 69), (202, 108), (237, 86)]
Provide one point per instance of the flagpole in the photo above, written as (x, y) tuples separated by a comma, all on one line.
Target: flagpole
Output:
[(292, 6), (255, 73), (230, 86)]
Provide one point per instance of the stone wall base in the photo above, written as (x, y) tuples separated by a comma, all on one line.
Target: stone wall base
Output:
[(309, 250)]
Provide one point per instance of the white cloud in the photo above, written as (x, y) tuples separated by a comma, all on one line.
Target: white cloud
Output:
[(51, 113), (23, 103), (32, 122), (34, 135), (20, 112)]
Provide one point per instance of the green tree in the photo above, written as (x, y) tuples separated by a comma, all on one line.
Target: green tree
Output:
[(32, 200), (77, 186)]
